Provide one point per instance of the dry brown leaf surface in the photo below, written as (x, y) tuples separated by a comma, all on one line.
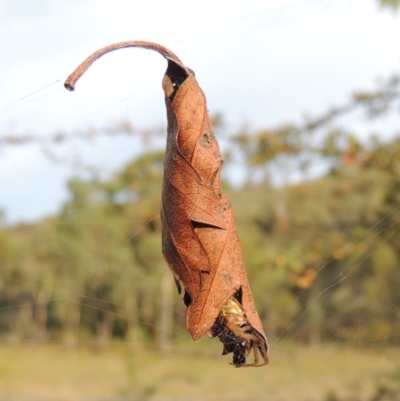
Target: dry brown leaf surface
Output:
[(200, 241)]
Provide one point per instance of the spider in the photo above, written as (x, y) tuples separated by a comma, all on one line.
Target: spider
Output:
[(238, 336)]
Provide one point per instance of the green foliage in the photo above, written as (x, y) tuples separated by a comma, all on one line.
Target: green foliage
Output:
[(392, 5), (322, 255)]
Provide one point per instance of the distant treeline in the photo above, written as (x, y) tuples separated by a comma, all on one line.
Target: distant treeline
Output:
[(322, 255)]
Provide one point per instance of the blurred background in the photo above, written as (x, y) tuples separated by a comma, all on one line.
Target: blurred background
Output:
[(304, 97)]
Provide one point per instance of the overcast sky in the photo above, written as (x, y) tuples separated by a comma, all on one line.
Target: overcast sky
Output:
[(262, 62)]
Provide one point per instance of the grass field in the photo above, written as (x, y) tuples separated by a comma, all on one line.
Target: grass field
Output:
[(194, 371)]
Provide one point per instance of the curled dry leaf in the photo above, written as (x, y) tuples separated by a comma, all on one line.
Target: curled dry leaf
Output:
[(199, 238)]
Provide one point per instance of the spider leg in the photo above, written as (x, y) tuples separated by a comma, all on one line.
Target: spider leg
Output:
[(257, 346)]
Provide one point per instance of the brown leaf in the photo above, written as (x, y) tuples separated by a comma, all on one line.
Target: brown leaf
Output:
[(199, 238)]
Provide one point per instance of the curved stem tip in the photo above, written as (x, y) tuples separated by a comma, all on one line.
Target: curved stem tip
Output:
[(81, 69)]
